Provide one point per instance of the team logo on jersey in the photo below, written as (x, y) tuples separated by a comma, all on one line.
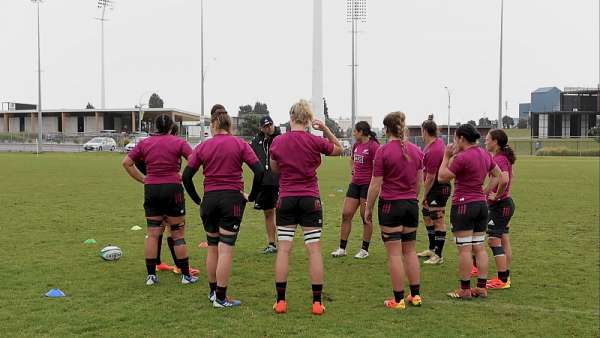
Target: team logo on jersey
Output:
[(491, 222), (235, 227), (433, 203)]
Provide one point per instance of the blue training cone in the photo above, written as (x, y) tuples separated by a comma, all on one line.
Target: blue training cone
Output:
[(55, 293)]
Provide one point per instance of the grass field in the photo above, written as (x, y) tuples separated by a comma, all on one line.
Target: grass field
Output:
[(51, 204)]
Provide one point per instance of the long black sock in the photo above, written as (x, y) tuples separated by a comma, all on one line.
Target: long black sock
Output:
[(415, 290), (280, 287), (212, 286), (465, 284), (365, 245), (440, 240), (171, 244), (184, 265), (431, 236), (317, 290), (398, 295), (481, 282), (159, 247), (507, 273), (272, 244), (343, 244), (151, 266), (503, 276), (221, 292)]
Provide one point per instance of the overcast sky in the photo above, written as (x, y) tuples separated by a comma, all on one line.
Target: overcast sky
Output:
[(262, 50)]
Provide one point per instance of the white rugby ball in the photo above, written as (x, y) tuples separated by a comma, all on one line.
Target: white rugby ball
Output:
[(111, 253)]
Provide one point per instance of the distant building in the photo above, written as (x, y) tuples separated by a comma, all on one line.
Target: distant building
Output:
[(524, 109), (563, 114), (345, 123)]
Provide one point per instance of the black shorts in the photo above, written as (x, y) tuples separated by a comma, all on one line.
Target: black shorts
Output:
[(398, 213), (267, 197), (472, 216), (222, 209), (500, 214), (164, 200), (357, 191), (438, 195), (305, 211)]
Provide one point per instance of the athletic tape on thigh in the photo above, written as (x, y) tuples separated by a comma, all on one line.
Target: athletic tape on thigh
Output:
[(463, 241), (285, 233), (175, 227), (498, 251), (478, 240), (180, 241), (411, 236), (228, 239), (212, 241), (391, 236), (154, 223), (312, 236)]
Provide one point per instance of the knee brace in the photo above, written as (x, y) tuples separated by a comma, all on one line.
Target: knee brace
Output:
[(436, 214), (463, 241), (285, 233), (178, 242), (212, 241), (154, 223), (498, 251), (228, 239), (391, 236), (411, 236), (175, 227), (312, 236), (478, 239)]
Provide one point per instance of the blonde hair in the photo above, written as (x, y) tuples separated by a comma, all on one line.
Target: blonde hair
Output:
[(395, 124), (301, 112), (219, 118)]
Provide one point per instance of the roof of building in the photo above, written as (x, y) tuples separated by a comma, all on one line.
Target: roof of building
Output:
[(545, 89), (184, 114)]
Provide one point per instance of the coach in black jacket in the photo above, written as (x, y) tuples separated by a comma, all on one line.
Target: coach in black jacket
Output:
[(269, 192)]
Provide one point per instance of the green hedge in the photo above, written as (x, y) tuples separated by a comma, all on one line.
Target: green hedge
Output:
[(564, 151)]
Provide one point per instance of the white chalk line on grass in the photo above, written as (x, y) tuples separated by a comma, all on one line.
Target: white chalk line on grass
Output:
[(494, 305)]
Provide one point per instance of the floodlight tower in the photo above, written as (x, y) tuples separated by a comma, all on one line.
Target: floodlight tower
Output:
[(356, 11), (103, 5), (202, 70), (449, 96), (39, 71), (317, 62), (500, 78)]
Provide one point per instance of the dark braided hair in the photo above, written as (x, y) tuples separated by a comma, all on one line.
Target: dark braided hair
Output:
[(468, 132), (163, 124), (365, 129)]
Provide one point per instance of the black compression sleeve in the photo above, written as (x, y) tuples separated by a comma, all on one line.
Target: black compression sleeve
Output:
[(259, 173), (188, 183)]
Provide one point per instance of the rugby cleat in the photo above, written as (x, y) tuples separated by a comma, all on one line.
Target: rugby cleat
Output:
[(361, 254), (497, 284), (193, 272), (479, 292), (414, 301), (460, 294), (427, 253), (474, 271), (164, 267), (188, 279), (392, 304), (226, 303), (270, 250), (317, 308), (281, 307), (339, 253), (151, 280), (212, 296), (434, 260)]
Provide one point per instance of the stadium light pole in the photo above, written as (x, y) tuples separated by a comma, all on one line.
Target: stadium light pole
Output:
[(202, 70), (39, 71), (449, 95), (501, 52), (356, 10), (103, 5), (317, 63)]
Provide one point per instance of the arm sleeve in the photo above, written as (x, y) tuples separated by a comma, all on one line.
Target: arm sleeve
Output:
[(378, 163), (136, 153), (259, 172), (502, 163), (421, 157), (456, 165), (248, 155), (186, 149), (188, 183), (325, 147), (194, 161)]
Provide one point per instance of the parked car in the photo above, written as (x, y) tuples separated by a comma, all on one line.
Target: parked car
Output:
[(100, 144), (134, 143)]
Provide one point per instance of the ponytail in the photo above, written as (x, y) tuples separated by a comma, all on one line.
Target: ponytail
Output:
[(501, 138), (395, 125), (220, 118), (364, 129), (163, 124), (373, 137)]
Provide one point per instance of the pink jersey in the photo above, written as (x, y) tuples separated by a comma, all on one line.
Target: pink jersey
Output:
[(471, 168), (221, 158), (298, 155), (505, 166), (363, 155), (162, 155), (433, 154), (399, 174)]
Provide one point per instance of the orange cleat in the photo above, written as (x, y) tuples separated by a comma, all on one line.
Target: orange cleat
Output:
[(414, 301), (474, 271), (164, 267), (392, 304), (318, 308), (193, 272), (281, 307), (497, 284)]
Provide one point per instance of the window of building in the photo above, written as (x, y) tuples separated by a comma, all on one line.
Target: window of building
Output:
[(543, 126), (21, 124), (566, 125), (584, 125)]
